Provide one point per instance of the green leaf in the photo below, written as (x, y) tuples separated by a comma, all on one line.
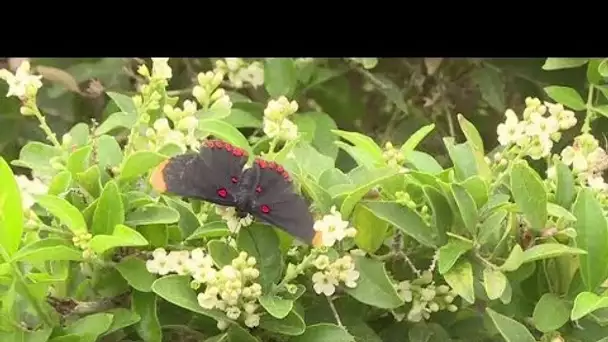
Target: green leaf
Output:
[(134, 271), (592, 236), (559, 212), (460, 279), (491, 86), (451, 252), (122, 318), (510, 329), (491, 227), (116, 120), (442, 213), (238, 334), (567, 96), (404, 219), (276, 306), (36, 156), (463, 158), (514, 260), (478, 189), (262, 243), (585, 303), (376, 177), (553, 63), (292, 325), (188, 221), (11, 212), (374, 286), (241, 116), (48, 249), (109, 153), (466, 207), (225, 131), (324, 332), (494, 282), (423, 162), (371, 231), (323, 140), (145, 305), (78, 161), (91, 326), (221, 253), (109, 211), (280, 77), (122, 236), (603, 68), (311, 161), (90, 180), (471, 133), (68, 214), (124, 102), (60, 183), (209, 230), (529, 194), (176, 289), (415, 139), (550, 313), (565, 192), (363, 144), (139, 163), (152, 214)]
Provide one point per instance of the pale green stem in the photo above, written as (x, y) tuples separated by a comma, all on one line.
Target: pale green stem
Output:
[(334, 311), (589, 115), (299, 269), (50, 135)]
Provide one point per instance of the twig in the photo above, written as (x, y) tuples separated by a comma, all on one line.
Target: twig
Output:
[(334, 311)]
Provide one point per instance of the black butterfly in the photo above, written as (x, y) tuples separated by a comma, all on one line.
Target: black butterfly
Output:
[(216, 175)]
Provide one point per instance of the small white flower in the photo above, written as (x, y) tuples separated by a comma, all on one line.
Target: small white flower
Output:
[(161, 68), (233, 312), (321, 262), (542, 127), (179, 261), (511, 130), (252, 320), (161, 126), (324, 283), (21, 81), (233, 222), (28, 188), (332, 228), (575, 157), (540, 147), (597, 182), (253, 74), (206, 300), (349, 277), (222, 325), (159, 263)]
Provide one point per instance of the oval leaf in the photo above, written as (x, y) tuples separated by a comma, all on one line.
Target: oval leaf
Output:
[(374, 286), (67, 214), (529, 194), (510, 329)]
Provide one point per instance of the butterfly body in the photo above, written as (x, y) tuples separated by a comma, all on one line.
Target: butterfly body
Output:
[(218, 174)]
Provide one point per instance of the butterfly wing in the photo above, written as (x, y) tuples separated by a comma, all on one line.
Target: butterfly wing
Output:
[(212, 174), (276, 202)]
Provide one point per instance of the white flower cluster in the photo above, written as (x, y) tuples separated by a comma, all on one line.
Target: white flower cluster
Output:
[(209, 94), (24, 85), (185, 125), (276, 123), (233, 221), (27, 188), (331, 274), (333, 228), (425, 297), (536, 133), (231, 289), (240, 72), (588, 161)]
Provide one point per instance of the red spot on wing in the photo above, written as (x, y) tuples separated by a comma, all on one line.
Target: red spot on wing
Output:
[(226, 146), (222, 192), (273, 166), (265, 209), (234, 180), (258, 189)]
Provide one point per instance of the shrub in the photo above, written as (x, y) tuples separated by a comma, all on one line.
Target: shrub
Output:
[(512, 245)]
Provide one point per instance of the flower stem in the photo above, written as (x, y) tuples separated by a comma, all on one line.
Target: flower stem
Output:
[(50, 135), (334, 311), (590, 114), (299, 269)]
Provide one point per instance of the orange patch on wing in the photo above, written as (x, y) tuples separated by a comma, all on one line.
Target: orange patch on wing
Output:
[(317, 240), (157, 179)]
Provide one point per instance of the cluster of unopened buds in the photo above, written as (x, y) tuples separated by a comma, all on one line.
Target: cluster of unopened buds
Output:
[(404, 198), (233, 221), (331, 274), (82, 241), (231, 288), (425, 298), (240, 72), (333, 228), (276, 123), (210, 95), (536, 133)]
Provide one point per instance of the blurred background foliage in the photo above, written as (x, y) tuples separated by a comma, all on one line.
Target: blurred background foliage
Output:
[(387, 101)]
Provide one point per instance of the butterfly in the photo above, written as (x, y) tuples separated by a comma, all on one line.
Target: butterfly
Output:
[(217, 174)]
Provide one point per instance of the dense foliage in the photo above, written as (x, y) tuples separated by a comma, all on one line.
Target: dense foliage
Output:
[(500, 235)]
